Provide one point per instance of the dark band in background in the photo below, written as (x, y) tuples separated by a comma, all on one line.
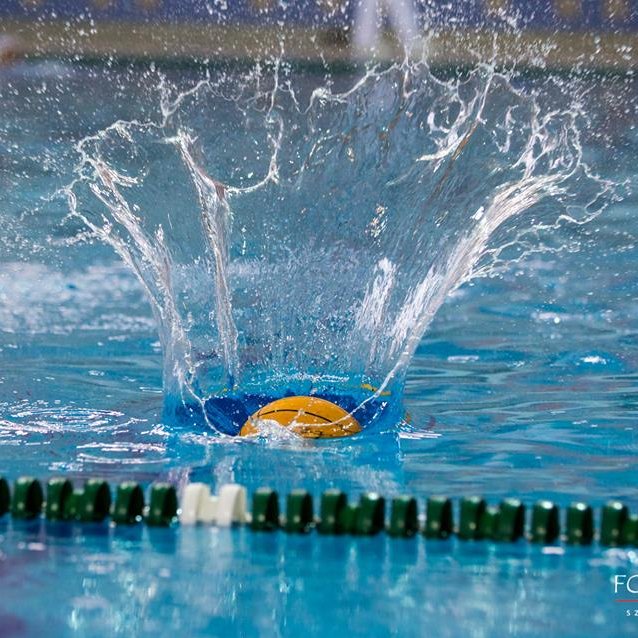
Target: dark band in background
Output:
[(599, 34)]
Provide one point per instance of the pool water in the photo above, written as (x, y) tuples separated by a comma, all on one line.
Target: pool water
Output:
[(525, 385)]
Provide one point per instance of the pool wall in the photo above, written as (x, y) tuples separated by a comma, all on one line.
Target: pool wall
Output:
[(561, 33)]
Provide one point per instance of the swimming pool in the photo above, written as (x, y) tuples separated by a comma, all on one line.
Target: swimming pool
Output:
[(523, 385)]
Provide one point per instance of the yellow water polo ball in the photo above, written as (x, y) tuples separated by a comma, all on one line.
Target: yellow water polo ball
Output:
[(310, 417)]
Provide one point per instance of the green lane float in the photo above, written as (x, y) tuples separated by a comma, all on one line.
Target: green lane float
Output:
[(472, 511), (439, 519), (129, 504), (163, 506), (265, 510), (545, 527), (5, 497), (27, 498), (348, 520), (487, 524), (299, 512), (613, 519), (404, 520), (580, 524), (510, 525), (477, 520), (59, 495), (333, 506), (93, 503), (370, 517), (630, 531)]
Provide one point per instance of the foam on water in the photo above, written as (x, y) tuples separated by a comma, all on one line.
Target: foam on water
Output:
[(315, 264)]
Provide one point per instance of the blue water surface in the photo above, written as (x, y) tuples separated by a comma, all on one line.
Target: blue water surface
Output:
[(525, 385)]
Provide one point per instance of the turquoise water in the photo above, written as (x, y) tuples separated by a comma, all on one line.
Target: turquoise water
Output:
[(524, 384)]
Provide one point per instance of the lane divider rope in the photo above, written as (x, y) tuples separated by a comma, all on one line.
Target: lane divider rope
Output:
[(472, 520)]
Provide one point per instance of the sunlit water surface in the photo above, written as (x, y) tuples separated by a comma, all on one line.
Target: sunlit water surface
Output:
[(524, 384)]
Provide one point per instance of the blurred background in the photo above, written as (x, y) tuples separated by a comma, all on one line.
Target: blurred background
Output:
[(549, 33)]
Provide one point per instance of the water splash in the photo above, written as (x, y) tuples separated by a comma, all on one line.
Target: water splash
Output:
[(315, 263)]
